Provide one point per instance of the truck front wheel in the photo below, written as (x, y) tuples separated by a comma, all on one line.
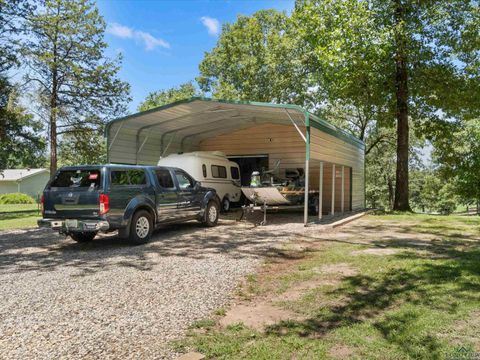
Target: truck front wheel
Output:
[(211, 214), (83, 237), (141, 228)]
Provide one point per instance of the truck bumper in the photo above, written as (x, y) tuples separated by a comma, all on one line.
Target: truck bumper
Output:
[(64, 225)]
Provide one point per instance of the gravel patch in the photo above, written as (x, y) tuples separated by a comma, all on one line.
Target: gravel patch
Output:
[(106, 299)]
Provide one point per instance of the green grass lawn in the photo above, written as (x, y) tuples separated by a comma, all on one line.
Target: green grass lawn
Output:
[(18, 216), (421, 301)]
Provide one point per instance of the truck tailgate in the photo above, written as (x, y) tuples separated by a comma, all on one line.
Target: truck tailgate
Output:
[(74, 194), (71, 203)]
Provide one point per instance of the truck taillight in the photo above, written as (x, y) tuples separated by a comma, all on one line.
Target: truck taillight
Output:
[(42, 204), (104, 204)]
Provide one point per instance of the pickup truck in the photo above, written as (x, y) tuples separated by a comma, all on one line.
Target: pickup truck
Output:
[(81, 201)]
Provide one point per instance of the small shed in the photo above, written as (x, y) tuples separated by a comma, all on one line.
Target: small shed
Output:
[(251, 133), (26, 181)]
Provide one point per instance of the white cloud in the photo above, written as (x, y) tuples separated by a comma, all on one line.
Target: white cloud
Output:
[(149, 41), (212, 24), (120, 31)]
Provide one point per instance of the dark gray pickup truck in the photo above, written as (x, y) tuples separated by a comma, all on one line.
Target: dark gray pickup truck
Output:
[(83, 200)]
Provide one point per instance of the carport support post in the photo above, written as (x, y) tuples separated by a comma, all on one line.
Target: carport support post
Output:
[(320, 192), (333, 189), (343, 189), (307, 167)]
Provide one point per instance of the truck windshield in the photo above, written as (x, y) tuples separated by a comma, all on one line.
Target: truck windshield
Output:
[(77, 179)]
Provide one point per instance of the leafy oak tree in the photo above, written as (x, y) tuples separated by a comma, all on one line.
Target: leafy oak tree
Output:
[(397, 60), (256, 58), (78, 87), (162, 97)]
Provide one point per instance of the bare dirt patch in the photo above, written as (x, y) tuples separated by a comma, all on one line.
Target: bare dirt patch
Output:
[(340, 352), (378, 252), (466, 331), (256, 316), (342, 269), (297, 291)]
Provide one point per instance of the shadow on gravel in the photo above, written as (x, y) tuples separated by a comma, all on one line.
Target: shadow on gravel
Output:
[(44, 250)]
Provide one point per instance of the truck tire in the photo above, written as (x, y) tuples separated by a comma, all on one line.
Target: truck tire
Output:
[(211, 214), (83, 237), (141, 228)]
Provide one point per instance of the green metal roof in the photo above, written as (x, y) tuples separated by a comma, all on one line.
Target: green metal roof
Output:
[(312, 119)]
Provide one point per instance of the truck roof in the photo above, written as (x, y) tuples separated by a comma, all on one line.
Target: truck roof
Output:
[(89, 167)]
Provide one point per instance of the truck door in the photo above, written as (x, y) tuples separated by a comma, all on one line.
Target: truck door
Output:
[(189, 201), (167, 198)]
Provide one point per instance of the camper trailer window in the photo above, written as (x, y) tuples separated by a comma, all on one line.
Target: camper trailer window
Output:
[(235, 173), (204, 170), (219, 171), (184, 181), (165, 179)]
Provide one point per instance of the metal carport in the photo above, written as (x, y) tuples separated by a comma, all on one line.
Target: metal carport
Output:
[(144, 137)]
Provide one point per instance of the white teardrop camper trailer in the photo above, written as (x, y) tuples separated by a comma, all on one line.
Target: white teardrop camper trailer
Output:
[(212, 169)]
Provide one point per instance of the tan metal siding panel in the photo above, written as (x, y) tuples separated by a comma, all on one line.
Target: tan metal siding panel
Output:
[(334, 150)]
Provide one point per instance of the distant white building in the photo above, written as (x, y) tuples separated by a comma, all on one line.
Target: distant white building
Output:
[(26, 181)]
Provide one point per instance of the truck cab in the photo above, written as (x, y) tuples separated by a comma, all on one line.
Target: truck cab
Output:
[(81, 201)]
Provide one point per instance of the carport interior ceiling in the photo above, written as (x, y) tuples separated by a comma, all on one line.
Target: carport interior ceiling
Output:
[(144, 137)]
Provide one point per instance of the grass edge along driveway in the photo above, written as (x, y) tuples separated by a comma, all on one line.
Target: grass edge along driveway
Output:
[(18, 216), (406, 287)]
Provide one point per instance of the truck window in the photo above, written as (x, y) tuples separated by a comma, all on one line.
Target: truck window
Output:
[(204, 170), (165, 179), (137, 177), (77, 179), (219, 171), (184, 181), (128, 177), (235, 173)]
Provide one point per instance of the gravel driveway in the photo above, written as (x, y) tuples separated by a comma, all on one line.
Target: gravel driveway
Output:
[(105, 299)]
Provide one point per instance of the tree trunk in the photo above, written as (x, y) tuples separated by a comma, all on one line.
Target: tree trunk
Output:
[(54, 107), (401, 91), (53, 125), (53, 142)]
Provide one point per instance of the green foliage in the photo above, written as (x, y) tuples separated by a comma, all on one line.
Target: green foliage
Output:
[(20, 141), (82, 148), (458, 157), (20, 144), (16, 198), (12, 15), (431, 193), (163, 97), (256, 58)]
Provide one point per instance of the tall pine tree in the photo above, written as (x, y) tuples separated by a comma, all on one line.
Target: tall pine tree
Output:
[(78, 87)]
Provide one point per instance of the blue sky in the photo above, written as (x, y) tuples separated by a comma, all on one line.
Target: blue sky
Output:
[(164, 41)]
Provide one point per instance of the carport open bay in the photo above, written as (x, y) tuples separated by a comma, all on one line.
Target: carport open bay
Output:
[(110, 300)]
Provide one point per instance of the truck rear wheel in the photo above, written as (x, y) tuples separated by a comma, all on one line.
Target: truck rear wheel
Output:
[(141, 228), (211, 214), (83, 237)]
